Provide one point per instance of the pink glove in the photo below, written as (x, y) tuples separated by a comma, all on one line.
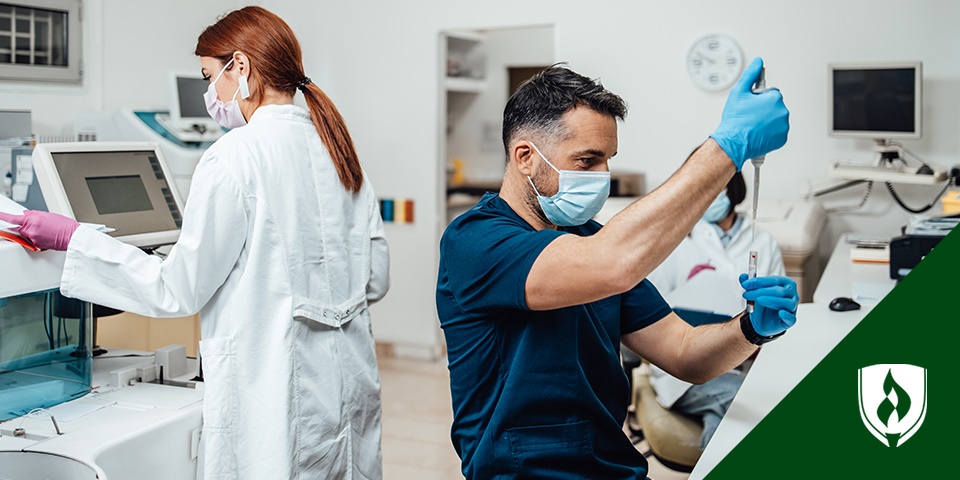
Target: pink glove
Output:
[(47, 231)]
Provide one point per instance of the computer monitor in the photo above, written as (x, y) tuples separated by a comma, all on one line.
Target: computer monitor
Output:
[(125, 186), (186, 102), (188, 119), (880, 101)]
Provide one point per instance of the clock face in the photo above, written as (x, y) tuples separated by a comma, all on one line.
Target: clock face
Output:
[(714, 62)]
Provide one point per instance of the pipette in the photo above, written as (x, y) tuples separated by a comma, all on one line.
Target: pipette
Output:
[(759, 87), (751, 273)]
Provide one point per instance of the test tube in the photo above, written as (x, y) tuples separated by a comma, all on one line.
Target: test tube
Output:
[(751, 273)]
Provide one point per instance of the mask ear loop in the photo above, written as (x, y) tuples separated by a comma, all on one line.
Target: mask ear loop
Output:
[(545, 160), (224, 69), (543, 157)]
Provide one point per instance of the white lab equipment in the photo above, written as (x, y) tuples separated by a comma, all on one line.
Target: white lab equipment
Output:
[(65, 414), (759, 87), (183, 132), (129, 125), (15, 133), (138, 126), (125, 186)]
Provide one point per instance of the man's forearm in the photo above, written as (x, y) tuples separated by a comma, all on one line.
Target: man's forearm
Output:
[(710, 350), (649, 229)]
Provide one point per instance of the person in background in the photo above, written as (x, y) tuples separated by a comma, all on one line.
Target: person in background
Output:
[(282, 250), (720, 243), (534, 297)]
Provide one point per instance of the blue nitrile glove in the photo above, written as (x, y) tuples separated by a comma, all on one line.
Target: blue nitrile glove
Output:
[(775, 303), (752, 124)]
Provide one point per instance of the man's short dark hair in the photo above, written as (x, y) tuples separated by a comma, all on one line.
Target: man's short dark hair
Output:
[(540, 102)]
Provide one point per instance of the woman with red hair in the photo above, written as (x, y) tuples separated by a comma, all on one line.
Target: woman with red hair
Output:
[(281, 251)]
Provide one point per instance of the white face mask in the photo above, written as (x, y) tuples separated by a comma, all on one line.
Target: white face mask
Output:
[(579, 197), (227, 114)]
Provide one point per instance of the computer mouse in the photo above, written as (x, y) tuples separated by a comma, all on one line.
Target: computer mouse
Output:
[(925, 170), (843, 304)]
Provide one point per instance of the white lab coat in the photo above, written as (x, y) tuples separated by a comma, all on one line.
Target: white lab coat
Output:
[(703, 246), (281, 262)]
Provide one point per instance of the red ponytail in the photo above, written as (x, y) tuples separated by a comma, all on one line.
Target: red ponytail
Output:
[(275, 52)]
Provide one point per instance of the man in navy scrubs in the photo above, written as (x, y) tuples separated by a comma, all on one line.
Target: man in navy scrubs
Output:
[(535, 298)]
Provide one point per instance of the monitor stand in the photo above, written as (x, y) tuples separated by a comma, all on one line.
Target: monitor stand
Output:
[(191, 130), (888, 166), (887, 153)]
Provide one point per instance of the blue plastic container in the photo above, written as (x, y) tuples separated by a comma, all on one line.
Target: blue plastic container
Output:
[(45, 351)]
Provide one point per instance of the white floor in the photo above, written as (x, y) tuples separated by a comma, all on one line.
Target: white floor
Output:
[(416, 424)]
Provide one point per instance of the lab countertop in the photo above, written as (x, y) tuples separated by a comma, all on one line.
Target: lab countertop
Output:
[(141, 431)]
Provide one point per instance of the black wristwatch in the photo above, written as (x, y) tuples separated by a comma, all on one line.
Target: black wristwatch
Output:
[(752, 336)]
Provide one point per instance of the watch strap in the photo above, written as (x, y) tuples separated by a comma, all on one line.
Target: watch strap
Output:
[(746, 326)]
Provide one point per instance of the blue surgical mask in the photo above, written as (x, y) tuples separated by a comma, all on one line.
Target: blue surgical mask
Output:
[(581, 195), (719, 209)]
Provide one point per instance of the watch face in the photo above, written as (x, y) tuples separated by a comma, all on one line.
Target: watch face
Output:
[(714, 62)]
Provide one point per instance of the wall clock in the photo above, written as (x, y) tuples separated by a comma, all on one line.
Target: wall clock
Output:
[(714, 62)]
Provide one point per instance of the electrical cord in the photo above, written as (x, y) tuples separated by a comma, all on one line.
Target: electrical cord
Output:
[(850, 208), (922, 209), (907, 150)]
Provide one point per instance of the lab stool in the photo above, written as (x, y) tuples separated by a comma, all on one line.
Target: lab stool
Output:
[(674, 438)]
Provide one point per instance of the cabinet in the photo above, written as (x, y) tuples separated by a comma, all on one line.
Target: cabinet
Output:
[(478, 70), (135, 332), (464, 80)]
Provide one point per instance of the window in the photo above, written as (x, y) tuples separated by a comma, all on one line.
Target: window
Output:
[(40, 40)]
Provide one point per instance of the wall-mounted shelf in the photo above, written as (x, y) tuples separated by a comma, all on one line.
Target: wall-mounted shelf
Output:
[(465, 85), (891, 173)]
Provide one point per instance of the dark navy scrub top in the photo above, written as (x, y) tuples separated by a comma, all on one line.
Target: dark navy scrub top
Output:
[(536, 394)]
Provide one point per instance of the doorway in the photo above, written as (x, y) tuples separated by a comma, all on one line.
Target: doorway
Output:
[(479, 71)]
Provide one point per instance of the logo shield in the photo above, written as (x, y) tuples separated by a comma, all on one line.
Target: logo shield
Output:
[(893, 401)]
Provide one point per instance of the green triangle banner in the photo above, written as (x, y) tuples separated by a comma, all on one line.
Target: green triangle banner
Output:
[(878, 405)]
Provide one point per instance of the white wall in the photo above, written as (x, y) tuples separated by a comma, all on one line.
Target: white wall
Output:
[(378, 61), (128, 48)]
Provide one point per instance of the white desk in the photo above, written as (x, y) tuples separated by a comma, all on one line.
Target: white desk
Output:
[(782, 364), (863, 282)]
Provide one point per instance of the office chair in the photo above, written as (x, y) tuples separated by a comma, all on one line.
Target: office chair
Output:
[(674, 438)]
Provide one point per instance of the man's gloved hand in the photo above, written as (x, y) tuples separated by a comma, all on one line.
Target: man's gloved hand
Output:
[(45, 230), (775, 303), (752, 124)]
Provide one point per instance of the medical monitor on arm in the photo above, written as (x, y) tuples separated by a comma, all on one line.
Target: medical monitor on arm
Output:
[(879, 101), (123, 185)]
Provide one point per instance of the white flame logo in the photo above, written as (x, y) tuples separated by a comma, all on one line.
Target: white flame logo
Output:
[(893, 401)]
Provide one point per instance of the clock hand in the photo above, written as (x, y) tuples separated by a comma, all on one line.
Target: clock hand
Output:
[(708, 59)]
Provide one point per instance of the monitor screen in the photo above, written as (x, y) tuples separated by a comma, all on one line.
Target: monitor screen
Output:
[(875, 101), (119, 194), (124, 186), (190, 92)]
